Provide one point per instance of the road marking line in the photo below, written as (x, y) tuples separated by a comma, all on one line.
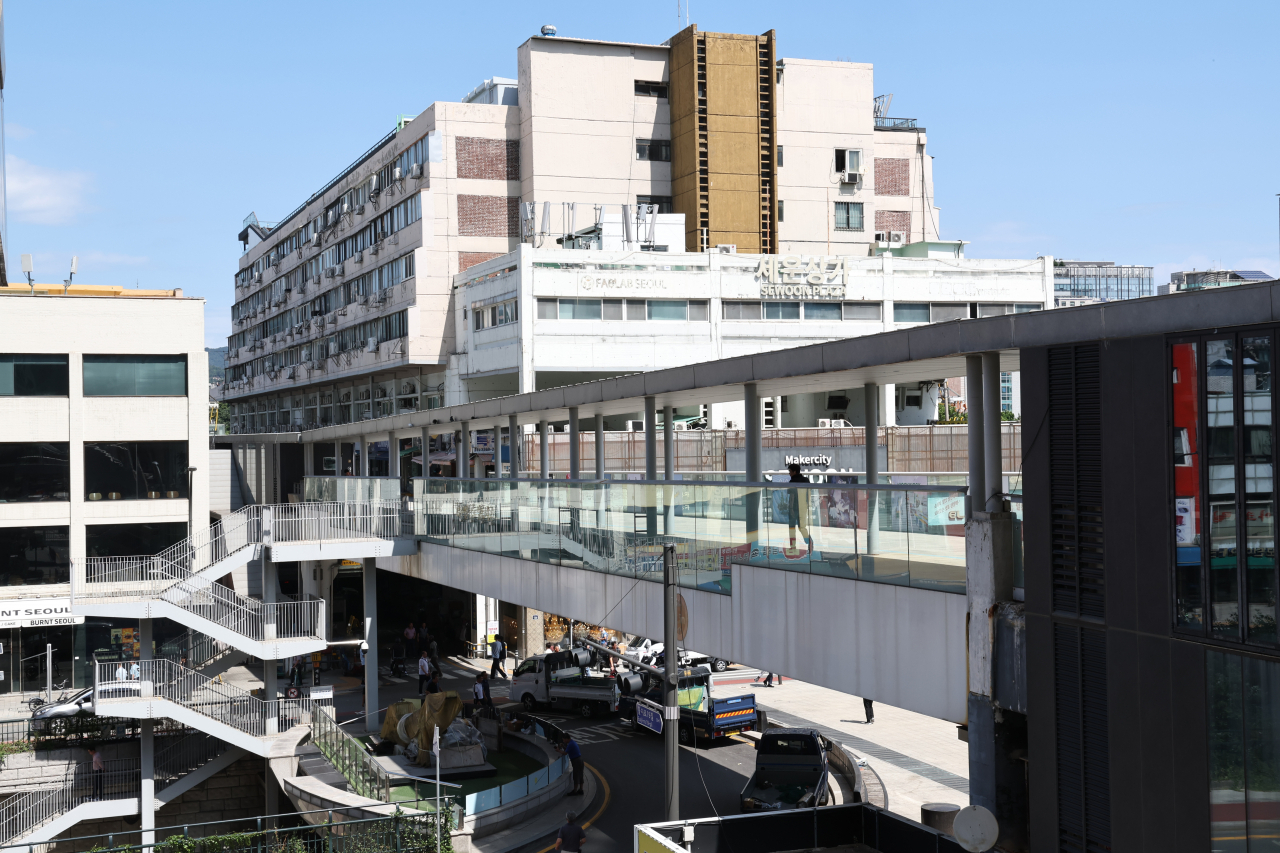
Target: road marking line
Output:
[(607, 795)]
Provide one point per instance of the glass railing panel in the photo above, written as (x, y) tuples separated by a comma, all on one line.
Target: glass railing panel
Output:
[(834, 541), (935, 539)]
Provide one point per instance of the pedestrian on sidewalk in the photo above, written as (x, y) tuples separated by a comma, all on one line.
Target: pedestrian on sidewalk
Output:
[(869, 710), (572, 836), (568, 746), (410, 634), (98, 770), (498, 651), (768, 679), (424, 671), (433, 683), (433, 652)]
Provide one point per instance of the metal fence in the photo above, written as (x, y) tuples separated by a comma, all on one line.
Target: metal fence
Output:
[(194, 554), (348, 756), (315, 521)]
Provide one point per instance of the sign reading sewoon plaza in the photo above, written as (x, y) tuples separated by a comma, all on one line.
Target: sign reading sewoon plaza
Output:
[(813, 277)]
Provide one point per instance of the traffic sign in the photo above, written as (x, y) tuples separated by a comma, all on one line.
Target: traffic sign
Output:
[(649, 715)]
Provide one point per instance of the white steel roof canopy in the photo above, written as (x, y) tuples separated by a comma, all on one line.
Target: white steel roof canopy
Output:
[(922, 353)]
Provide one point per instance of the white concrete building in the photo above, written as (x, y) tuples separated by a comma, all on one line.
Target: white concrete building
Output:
[(542, 318), (347, 304), (102, 393)]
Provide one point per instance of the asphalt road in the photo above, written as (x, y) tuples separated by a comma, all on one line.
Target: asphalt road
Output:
[(633, 769)]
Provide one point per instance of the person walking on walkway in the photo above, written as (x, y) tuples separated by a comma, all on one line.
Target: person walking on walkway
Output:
[(869, 710), (768, 679), (571, 836), (569, 746), (433, 683), (797, 506), (498, 651), (477, 693), (424, 671)]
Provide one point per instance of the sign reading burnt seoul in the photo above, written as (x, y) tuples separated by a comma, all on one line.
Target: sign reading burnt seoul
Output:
[(803, 277)]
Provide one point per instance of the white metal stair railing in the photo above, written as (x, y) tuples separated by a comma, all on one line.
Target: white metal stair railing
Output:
[(198, 649), (235, 532), (224, 607), (185, 754), (21, 815), (165, 681)]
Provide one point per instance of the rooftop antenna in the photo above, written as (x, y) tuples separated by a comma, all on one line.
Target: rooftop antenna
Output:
[(27, 268), (75, 262), (882, 102)]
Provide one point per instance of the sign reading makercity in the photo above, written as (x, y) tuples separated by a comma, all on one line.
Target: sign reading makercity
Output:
[(803, 277)]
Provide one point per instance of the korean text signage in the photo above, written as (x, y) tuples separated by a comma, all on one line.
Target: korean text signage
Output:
[(815, 277), (649, 715)]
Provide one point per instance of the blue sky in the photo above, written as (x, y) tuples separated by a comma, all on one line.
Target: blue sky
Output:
[(139, 135)]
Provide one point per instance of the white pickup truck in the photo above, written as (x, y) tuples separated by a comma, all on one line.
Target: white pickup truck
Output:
[(560, 679), (647, 651)]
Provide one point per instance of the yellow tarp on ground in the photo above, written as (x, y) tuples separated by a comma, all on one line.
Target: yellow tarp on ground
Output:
[(438, 709), (392, 719)]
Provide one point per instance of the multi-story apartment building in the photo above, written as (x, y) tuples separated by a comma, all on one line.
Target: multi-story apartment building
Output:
[(348, 303), (102, 393)]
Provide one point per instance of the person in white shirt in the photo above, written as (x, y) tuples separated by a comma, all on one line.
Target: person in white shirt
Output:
[(122, 674), (498, 651), (477, 691), (134, 670)]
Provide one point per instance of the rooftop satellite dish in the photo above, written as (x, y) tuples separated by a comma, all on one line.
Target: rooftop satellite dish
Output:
[(975, 829)]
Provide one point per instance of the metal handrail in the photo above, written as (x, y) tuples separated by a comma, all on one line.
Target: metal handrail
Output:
[(195, 553), (348, 756), (120, 779), (184, 755), (247, 617), (199, 649), (221, 702)]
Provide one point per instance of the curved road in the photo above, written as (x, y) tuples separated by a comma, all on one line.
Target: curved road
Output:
[(632, 766)]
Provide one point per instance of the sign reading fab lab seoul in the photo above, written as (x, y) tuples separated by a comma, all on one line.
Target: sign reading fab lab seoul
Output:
[(606, 283), (803, 277)]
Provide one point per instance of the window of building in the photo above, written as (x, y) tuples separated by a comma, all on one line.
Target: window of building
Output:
[(782, 310), (781, 210), (779, 158), (849, 159), (636, 310), (668, 309), (823, 311), (734, 310), (135, 470), (662, 201), (941, 312), (657, 150), (698, 312), (911, 312), (862, 311), (848, 216), (35, 471), (488, 316), (651, 89), (127, 540), (579, 309), (547, 309), (1244, 750), (612, 309), (1225, 569), (999, 309), (1006, 392), (35, 555), (33, 375), (135, 375)]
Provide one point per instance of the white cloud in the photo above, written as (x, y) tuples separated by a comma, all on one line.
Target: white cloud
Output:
[(42, 195), (17, 131)]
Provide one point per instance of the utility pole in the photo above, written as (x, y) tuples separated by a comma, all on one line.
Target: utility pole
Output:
[(671, 691)]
